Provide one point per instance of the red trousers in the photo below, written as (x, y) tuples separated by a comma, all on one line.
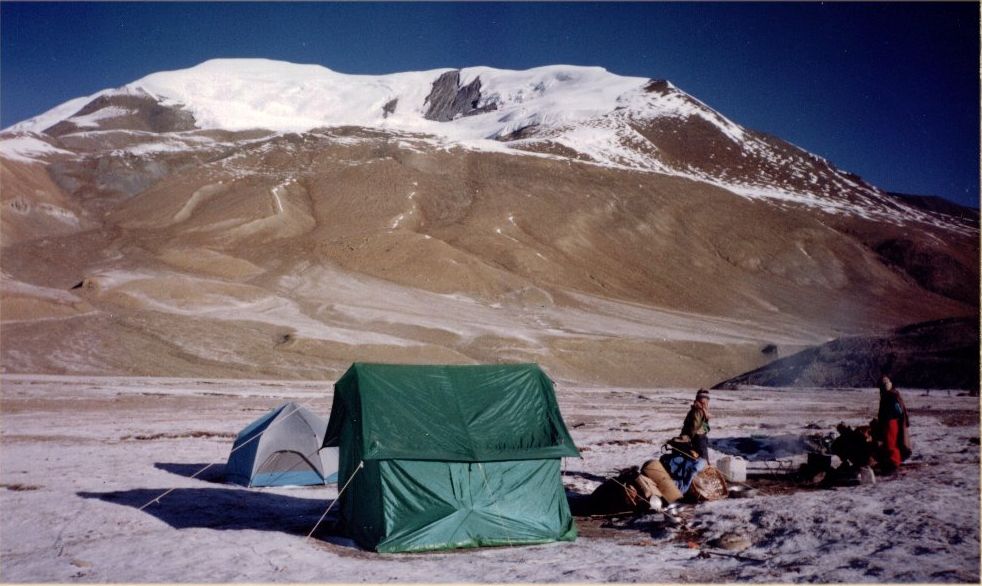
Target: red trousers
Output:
[(891, 453)]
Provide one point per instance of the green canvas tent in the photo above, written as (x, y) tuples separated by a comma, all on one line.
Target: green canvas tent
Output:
[(450, 456)]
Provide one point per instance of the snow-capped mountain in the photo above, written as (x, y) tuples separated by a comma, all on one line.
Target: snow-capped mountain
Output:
[(585, 112), (240, 94), (558, 214)]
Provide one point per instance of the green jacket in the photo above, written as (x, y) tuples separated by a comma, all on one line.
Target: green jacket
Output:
[(696, 422)]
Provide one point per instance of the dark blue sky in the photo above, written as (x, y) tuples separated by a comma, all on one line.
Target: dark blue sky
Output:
[(886, 90)]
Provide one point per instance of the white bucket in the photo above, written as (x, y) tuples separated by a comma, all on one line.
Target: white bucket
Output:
[(734, 468)]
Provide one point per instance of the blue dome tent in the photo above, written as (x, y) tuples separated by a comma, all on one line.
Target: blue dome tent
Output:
[(283, 448)]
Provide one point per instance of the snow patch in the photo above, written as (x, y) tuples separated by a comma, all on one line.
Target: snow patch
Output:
[(28, 149), (277, 202), (92, 119), (59, 213)]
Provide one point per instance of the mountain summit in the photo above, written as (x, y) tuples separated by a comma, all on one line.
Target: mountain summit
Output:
[(274, 218), (584, 112)]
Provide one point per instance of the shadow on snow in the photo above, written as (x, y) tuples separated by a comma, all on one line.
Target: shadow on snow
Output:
[(227, 509), (584, 475), (206, 472)]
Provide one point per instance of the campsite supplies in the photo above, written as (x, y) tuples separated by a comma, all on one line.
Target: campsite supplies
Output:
[(619, 495), (645, 486), (819, 462), (738, 491), (853, 446), (681, 468), (283, 448), (656, 504), (709, 485), (666, 486), (452, 456), (734, 468), (681, 445)]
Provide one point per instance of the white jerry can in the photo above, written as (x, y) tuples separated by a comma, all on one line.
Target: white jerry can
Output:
[(734, 468)]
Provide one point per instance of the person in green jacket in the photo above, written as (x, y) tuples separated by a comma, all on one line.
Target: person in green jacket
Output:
[(696, 424)]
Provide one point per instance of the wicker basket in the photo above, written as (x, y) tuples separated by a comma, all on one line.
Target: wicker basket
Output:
[(709, 484)]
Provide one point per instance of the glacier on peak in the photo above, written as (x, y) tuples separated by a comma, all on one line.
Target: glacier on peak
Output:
[(589, 113), (240, 94)]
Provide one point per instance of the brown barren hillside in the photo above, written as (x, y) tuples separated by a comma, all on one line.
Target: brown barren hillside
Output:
[(262, 253)]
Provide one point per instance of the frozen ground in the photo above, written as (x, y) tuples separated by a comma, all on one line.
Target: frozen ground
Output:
[(81, 456)]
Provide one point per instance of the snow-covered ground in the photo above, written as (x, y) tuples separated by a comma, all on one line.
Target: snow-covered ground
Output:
[(81, 456)]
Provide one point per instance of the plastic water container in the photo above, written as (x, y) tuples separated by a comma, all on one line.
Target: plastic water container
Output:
[(734, 468)]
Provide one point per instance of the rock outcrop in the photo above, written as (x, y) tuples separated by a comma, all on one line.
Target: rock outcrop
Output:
[(390, 107), (449, 100), (125, 112)]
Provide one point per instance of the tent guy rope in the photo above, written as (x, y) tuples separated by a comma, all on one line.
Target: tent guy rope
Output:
[(361, 464), (245, 443)]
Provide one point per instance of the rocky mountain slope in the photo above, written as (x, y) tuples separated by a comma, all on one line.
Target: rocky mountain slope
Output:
[(256, 218), (942, 354)]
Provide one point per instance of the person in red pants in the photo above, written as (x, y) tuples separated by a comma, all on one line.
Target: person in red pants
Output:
[(893, 426)]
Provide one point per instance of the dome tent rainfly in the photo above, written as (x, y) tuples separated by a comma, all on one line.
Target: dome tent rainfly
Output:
[(283, 448), (439, 457)]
